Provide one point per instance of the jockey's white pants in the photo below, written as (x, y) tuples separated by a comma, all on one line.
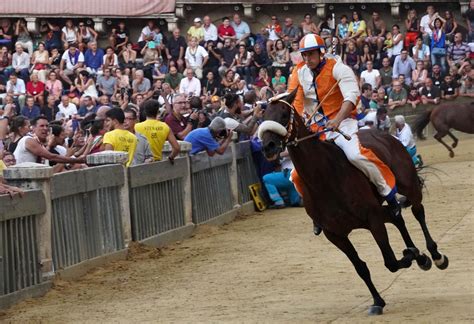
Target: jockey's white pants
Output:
[(362, 158)]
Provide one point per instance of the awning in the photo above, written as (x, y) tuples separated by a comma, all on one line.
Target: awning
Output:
[(86, 8)]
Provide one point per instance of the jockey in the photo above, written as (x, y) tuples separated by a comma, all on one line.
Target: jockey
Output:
[(315, 80)]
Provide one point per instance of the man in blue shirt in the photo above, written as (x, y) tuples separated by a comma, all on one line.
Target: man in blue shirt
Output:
[(206, 139), (30, 110), (403, 65), (93, 58), (241, 28)]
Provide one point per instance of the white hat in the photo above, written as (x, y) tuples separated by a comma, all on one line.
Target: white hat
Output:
[(197, 20), (231, 124)]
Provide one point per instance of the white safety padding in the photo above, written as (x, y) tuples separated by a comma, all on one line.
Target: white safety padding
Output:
[(271, 126)]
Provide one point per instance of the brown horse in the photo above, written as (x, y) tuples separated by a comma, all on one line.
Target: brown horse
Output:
[(445, 117), (340, 198)]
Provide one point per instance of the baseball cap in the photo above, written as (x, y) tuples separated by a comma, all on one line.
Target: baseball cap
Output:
[(231, 124), (197, 20)]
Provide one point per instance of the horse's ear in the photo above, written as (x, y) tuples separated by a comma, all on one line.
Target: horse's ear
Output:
[(291, 97)]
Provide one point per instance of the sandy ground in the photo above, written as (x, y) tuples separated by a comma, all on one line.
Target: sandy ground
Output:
[(270, 268)]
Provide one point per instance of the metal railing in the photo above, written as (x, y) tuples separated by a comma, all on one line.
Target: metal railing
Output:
[(246, 172), (211, 185), (157, 197), (86, 218), (20, 266)]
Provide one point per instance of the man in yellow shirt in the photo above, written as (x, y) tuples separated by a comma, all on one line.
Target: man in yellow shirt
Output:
[(118, 138), (156, 131), (196, 31)]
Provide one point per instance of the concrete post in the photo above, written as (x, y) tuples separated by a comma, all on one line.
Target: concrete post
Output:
[(234, 181), (464, 6), (32, 25), (249, 11), (172, 23), (37, 176), (112, 157), (185, 148), (321, 10), (395, 10), (99, 25), (188, 198)]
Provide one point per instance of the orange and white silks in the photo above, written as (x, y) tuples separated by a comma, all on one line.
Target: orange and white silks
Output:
[(311, 90)]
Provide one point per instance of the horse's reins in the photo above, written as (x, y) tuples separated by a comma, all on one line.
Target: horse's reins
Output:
[(316, 110), (289, 126)]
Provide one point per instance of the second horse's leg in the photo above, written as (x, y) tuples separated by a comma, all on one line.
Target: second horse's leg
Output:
[(439, 259), (439, 137), (423, 261), (455, 143), (379, 232)]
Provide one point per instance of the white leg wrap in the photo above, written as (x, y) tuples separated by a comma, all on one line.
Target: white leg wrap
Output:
[(440, 261)]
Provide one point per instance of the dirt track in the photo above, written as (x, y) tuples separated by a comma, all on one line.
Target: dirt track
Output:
[(271, 268)]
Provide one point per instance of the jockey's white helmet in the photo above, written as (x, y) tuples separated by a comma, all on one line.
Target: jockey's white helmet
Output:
[(312, 42)]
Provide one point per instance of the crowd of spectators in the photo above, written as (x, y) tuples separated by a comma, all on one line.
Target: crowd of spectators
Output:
[(64, 96)]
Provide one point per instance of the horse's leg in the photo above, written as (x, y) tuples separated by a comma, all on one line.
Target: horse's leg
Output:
[(423, 261), (439, 136), (455, 143), (439, 259), (379, 232), (345, 245)]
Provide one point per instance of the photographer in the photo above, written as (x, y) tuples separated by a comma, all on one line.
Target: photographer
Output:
[(207, 138), (233, 110), (178, 120)]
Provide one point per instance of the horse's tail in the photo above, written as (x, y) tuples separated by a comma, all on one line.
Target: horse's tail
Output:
[(421, 122)]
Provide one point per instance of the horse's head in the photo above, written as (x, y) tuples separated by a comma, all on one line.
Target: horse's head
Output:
[(277, 128)]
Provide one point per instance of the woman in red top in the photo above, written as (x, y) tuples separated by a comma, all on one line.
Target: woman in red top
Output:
[(35, 88)]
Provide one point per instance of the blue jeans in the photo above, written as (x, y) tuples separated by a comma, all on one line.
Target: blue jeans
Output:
[(439, 59), (277, 182), (414, 156)]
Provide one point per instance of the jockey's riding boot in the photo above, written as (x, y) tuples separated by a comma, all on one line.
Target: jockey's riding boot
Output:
[(394, 207), (317, 229)]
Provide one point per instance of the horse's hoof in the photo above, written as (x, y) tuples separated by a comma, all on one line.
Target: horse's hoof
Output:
[(426, 265), (375, 310), (442, 263), (451, 154), (411, 253), (454, 144)]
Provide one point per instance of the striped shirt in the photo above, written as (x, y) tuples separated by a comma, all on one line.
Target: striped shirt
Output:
[(458, 53)]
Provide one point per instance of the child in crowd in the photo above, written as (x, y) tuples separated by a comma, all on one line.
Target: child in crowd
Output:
[(414, 97), (388, 44)]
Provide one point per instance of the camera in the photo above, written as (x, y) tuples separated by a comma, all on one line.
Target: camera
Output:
[(262, 104), (223, 133)]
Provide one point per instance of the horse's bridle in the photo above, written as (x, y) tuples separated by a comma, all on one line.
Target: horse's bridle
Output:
[(289, 127)]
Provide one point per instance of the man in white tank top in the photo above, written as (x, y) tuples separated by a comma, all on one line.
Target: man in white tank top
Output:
[(31, 148)]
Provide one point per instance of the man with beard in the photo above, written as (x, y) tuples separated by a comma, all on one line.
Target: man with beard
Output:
[(233, 111)]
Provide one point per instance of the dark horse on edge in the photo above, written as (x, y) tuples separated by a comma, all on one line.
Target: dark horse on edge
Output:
[(444, 117), (340, 198)]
